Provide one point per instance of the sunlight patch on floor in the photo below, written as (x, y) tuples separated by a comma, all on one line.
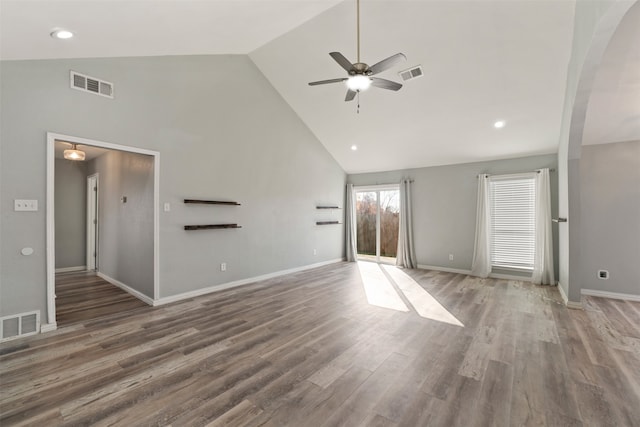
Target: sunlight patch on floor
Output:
[(380, 292), (422, 301)]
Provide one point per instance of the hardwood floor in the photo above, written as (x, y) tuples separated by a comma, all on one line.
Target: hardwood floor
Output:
[(82, 296), (308, 349)]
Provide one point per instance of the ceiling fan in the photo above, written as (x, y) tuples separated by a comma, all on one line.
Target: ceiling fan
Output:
[(360, 73)]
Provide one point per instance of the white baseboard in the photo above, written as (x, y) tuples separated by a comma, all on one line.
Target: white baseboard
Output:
[(445, 269), (70, 269), (142, 297), (509, 277), (613, 295), (48, 327), (569, 304), (574, 305), (468, 272), (223, 286)]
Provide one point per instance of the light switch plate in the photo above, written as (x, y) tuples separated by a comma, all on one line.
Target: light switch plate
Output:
[(25, 205)]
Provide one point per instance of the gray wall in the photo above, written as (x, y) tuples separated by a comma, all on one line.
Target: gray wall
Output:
[(610, 234), (222, 132), (70, 213), (444, 205), (125, 234)]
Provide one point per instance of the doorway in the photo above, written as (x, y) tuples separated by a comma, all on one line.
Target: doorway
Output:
[(92, 236), (377, 223)]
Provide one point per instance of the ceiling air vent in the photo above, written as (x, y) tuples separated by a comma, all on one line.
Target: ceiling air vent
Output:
[(91, 85), (411, 73)]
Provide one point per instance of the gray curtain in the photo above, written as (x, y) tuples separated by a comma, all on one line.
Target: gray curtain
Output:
[(350, 225), (406, 256)]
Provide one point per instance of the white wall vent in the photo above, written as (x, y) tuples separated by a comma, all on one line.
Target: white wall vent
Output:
[(411, 73), (91, 84), (19, 325)]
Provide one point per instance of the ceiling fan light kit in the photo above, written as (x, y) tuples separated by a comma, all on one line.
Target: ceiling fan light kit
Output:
[(358, 82), (360, 74)]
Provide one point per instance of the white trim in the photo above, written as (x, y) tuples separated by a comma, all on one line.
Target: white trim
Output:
[(613, 295), (569, 304), (377, 187), (510, 176), (565, 299), (142, 297), (156, 226), (509, 277), (50, 231), (70, 269), (468, 272), (48, 327), (223, 286), (50, 211), (445, 269)]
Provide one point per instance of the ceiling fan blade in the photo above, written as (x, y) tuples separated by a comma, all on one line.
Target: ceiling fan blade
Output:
[(387, 63), (385, 84), (324, 82), (340, 59), (350, 95)]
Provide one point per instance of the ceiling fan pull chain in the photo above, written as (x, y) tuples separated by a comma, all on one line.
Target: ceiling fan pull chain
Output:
[(358, 108)]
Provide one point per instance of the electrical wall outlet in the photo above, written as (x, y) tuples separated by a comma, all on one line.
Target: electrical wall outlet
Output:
[(25, 205), (450, 257), (223, 266), (315, 252)]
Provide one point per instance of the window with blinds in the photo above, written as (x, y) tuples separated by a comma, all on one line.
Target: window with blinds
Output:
[(512, 202)]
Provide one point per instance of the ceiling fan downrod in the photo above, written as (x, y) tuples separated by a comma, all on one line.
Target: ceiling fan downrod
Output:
[(358, 30)]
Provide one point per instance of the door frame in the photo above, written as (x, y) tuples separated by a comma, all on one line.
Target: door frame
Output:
[(50, 215), (93, 182), (377, 189)]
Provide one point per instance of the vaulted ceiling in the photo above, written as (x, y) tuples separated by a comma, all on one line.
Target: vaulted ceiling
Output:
[(483, 61)]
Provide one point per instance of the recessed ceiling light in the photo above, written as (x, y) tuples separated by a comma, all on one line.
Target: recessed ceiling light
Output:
[(62, 34), (499, 124), (354, 147)]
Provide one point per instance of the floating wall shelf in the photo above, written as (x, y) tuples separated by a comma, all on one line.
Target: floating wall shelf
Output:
[(211, 226), (327, 222), (211, 202)]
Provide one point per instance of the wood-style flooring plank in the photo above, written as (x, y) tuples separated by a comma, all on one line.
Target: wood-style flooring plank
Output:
[(308, 349)]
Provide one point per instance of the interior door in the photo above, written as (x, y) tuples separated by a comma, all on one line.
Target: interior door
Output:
[(92, 222)]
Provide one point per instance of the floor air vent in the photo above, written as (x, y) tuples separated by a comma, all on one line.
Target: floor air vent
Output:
[(91, 85), (411, 73), (19, 325)]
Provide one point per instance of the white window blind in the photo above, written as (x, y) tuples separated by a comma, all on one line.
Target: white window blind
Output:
[(513, 223)]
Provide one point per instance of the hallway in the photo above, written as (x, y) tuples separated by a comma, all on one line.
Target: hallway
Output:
[(84, 296)]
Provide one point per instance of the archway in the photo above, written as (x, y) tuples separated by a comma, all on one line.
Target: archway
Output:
[(595, 23)]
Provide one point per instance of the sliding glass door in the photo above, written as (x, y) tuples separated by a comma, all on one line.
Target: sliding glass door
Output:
[(377, 216)]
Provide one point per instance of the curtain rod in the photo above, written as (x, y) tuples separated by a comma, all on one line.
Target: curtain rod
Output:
[(379, 185), (536, 171)]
